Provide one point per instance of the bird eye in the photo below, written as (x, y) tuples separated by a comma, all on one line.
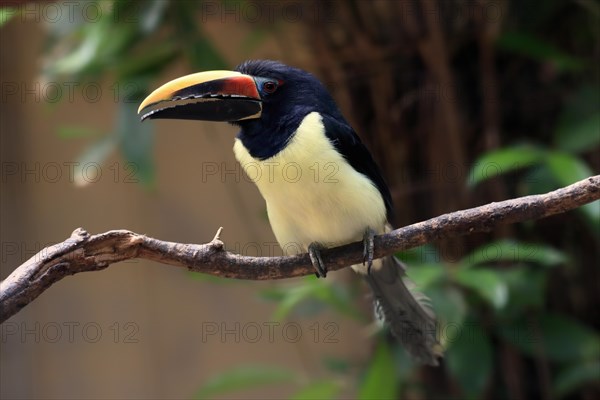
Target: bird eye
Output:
[(270, 87)]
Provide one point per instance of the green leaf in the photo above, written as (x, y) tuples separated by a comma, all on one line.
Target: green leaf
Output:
[(578, 127), (592, 213), (499, 162), (336, 296), (185, 15), (451, 308), (514, 252), (136, 143), (6, 13), (94, 48), (538, 180), (88, 167), (487, 283), (151, 15), (337, 365), (149, 61), (425, 276), (572, 377), (205, 56), (568, 169), (581, 135), (202, 54), (69, 132), (117, 40), (526, 287), (426, 254), (380, 380), (530, 46), (243, 377), (294, 297), (81, 57), (470, 360), (320, 390), (312, 289), (558, 337), (274, 293)]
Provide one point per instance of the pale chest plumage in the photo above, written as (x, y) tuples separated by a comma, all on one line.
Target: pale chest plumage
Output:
[(312, 193)]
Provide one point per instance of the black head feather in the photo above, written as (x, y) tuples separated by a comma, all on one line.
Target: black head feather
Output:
[(298, 93)]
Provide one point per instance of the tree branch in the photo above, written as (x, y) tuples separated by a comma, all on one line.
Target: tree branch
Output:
[(84, 252)]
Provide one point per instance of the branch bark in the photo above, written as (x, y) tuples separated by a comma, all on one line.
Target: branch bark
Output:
[(84, 252)]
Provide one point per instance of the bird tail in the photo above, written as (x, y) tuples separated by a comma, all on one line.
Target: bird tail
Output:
[(407, 311)]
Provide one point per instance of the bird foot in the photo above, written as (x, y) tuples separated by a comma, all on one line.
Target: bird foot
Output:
[(369, 248), (314, 251)]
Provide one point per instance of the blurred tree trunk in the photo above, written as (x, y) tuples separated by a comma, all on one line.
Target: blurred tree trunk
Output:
[(419, 82), (390, 66)]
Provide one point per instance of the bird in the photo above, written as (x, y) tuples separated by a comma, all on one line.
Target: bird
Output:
[(321, 186)]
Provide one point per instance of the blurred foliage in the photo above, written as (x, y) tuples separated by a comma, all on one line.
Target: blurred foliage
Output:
[(529, 46), (6, 14), (380, 380), (503, 299), (131, 42), (243, 377), (309, 298), (552, 167)]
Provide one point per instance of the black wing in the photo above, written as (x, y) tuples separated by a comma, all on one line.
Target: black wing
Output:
[(347, 142)]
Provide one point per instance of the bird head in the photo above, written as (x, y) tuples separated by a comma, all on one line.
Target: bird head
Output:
[(267, 99)]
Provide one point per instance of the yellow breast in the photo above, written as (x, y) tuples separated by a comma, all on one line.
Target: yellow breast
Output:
[(312, 192)]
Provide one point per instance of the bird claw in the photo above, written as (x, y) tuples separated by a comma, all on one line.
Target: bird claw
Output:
[(314, 251), (368, 248)]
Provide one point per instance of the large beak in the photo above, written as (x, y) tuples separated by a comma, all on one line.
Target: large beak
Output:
[(208, 96)]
